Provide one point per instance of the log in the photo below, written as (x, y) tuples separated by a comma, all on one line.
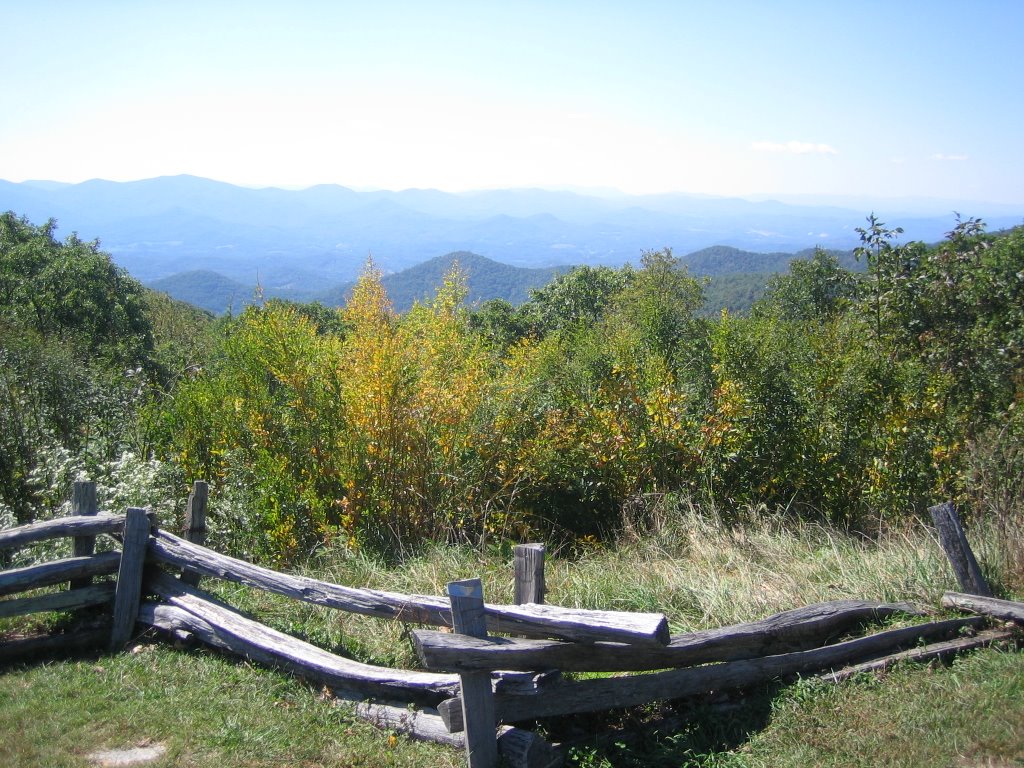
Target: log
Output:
[(81, 640), (129, 577), (420, 724), (989, 606), (942, 651), (524, 683), (229, 630), (531, 620), (67, 600), (467, 600), (195, 523), (47, 574), (798, 629), (450, 710), (529, 574), (518, 748), (615, 692), (104, 522), (954, 544), (83, 503)]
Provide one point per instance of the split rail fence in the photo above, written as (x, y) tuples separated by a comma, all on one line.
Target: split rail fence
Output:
[(475, 684)]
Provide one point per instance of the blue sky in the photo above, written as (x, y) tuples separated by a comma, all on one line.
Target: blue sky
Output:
[(875, 99)]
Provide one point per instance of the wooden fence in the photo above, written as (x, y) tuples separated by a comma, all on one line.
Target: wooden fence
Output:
[(474, 684)]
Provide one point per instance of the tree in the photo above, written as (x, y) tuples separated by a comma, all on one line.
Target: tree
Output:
[(71, 290), (814, 289), (499, 323), (660, 303), (891, 268), (582, 295), (75, 347)]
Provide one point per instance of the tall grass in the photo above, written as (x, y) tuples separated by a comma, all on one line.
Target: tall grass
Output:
[(704, 570), (701, 567), (697, 566)]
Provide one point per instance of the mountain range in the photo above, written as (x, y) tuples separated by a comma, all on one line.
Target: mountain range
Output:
[(304, 244)]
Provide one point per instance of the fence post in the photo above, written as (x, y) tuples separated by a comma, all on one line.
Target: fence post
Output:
[(129, 577), (83, 502), (467, 598), (954, 543), (529, 570), (195, 523)]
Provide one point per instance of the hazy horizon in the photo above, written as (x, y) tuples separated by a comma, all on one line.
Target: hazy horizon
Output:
[(912, 204), (738, 100)]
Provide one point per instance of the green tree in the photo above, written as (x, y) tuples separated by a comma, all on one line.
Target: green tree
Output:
[(71, 290), (76, 349), (814, 289), (499, 323), (582, 295)]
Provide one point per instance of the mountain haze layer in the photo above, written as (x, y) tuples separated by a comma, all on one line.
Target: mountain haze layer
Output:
[(305, 241)]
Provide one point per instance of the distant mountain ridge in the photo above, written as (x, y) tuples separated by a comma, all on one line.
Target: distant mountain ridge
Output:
[(737, 278), (207, 290), (486, 279), (301, 242)]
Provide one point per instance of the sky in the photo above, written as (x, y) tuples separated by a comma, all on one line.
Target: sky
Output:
[(879, 99)]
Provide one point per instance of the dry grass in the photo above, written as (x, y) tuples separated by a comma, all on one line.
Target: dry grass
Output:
[(703, 571), (699, 569)]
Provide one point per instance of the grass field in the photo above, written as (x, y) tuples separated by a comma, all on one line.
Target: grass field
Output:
[(210, 710)]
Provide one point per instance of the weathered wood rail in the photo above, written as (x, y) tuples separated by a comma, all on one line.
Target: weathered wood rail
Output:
[(531, 620), (121, 595), (496, 665)]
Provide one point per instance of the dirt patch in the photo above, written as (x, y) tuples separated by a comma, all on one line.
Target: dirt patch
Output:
[(130, 756)]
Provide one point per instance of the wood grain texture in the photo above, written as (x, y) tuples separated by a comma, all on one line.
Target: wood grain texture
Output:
[(83, 504), (942, 651), (103, 522), (529, 620), (129, 577), (518, 748), (190, 610), (67, 600), (958, 550), (47, 574), (798, 629), (988, 606), (528, 564), (612, 693), (195, 523), (467, 601)]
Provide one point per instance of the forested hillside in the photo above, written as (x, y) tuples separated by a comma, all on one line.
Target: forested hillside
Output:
[(857, 397), (736, 279), (485, 279)]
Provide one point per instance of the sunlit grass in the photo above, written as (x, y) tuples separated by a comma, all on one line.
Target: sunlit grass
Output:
[(209, 711), (699, 568)]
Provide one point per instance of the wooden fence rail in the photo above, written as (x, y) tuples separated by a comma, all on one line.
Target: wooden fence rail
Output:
[(798, 629), (532, 620), (78, 570), (478, 679), (593, 695), (48, 574), (84, 527)]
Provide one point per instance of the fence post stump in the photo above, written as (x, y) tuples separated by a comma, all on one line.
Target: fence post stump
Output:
[(195, 523), (467, 599), (529, 570), (129, 577), (954, 543), (83, 502)]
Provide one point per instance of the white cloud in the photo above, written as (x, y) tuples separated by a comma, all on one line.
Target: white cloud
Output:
[(942, 156), (795, 148)]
